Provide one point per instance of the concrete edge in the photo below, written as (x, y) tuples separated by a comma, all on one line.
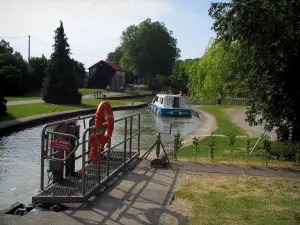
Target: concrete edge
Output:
[(207, 125), (19, 124), (127, 97)]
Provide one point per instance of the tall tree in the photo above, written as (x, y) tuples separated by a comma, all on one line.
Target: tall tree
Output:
[(269, 58), (214, 73), (149, 49), (14, 74), (60, 85), (37, 71), (79, 73), (5, 47), (115, 56)]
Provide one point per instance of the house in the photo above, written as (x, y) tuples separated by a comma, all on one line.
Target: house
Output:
[(105, 73)]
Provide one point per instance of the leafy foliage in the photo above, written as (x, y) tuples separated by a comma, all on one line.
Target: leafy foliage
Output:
[(115, 56), (148, 49), (177, 143), (214, 73), (268, 36), (37, 71), (211, 142), (196, 146), (60, 85)]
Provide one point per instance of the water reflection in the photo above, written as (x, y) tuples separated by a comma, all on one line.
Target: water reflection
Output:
[(20, 152)]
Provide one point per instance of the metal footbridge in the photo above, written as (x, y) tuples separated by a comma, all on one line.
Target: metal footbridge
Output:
[(67, 175)]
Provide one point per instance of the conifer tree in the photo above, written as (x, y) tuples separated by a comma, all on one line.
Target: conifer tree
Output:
[(60, 85)]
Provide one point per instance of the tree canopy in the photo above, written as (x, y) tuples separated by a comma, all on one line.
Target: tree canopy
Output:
[(214, 73), (268, 60), (115, 56), (60, 85), (148, 49)]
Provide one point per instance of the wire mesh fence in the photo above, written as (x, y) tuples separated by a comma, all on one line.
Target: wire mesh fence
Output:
[(278, 155)]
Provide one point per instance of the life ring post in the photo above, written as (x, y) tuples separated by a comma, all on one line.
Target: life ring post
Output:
[(98, 140)]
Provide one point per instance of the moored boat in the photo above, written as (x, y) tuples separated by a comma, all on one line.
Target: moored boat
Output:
[(170, 105)]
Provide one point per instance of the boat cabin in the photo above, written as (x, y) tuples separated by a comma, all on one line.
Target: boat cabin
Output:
[(170, 101)]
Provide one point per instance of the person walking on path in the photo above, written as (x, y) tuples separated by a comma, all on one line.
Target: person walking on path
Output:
[(219, 98), (108, 88)]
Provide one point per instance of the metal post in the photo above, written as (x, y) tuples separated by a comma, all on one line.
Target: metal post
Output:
[(130, 141), (83, 161), (158, 145), (125, 140), (139, 132), (28, 48), (42, 159), (98, 172), (108, 161)]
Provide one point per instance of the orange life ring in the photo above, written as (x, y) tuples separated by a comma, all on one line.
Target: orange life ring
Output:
[(97, 141)]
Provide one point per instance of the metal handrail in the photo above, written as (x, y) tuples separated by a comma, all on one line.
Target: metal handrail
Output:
[(50, 157)]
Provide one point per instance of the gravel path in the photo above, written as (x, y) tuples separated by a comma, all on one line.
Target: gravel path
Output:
[(238, 116)]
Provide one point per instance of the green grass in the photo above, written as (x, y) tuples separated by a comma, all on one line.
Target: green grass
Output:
[(224, 122), (89, 91), (21, 111), (215, 199), (239, 155)]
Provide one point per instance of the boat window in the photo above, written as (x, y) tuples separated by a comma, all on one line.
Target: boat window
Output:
[(156, 98), (176, 103), (169, 102), (162, 100)]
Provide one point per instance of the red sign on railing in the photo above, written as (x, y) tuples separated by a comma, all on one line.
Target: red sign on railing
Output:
[(60, 144)]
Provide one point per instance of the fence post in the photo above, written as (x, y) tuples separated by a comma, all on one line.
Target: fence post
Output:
[(130, 141), (125, 140), (139, 132)]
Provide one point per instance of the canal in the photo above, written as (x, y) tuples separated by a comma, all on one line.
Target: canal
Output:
[(20, 152)]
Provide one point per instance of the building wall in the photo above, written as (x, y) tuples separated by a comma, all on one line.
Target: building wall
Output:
[(118, 80)]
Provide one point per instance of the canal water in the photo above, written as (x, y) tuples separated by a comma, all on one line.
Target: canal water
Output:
[(20, 152)]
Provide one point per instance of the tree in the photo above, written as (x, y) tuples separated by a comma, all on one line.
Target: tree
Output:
[(79, 73), (37, 71), (14, 74), (60, 85), (5, 47), (115, 56), (268, 62), (149, 49), (214, 73)]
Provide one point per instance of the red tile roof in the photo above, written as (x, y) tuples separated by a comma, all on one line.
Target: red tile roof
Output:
[(114, 66)]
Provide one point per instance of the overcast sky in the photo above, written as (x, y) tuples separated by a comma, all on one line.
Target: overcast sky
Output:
[(94, 27)]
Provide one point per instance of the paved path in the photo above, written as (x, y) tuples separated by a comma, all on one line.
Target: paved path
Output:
[(238, 116), (141, 196), (207, 125), (34, 101)]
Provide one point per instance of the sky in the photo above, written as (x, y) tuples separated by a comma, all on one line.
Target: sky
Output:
[(94, 27)]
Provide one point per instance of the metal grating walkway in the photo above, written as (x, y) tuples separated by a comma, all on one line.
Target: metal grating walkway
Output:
[(69, 190)]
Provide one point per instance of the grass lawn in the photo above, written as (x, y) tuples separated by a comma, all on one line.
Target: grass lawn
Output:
[(20, 111), (37, 95), (239, 155), (215, 199), (224, 123)]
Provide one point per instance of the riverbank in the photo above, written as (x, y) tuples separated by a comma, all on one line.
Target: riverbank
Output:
[(16, 124), (166, 196)]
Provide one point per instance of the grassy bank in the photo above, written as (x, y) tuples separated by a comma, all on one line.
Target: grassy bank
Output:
[(222, 153), (224, 122), (278, 156), (21, 111), (37, 94), (214, 199)]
